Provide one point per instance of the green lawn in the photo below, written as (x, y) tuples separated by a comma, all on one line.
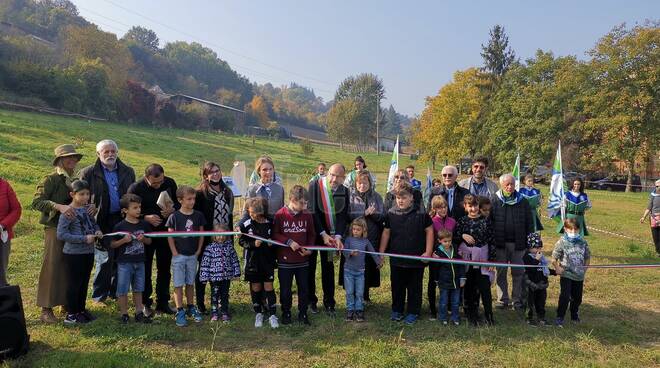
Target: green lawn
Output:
[(621, 309)]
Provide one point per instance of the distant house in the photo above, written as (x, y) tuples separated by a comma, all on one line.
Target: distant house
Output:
[(180, 99)]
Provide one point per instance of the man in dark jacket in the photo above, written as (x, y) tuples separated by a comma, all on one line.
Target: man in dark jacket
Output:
[(512, 222), (109, 179), (330, 223), (149, 188), (452, 192)]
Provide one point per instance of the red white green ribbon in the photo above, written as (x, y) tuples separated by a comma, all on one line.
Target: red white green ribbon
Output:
[(181, 234)]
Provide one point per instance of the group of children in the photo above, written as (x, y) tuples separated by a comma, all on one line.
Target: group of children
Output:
[(407, 232), (470, 238)]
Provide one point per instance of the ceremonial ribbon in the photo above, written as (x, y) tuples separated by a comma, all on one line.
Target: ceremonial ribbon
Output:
[(184, 234)]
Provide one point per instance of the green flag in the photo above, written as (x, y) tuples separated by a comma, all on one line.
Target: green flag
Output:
[(516, 172)]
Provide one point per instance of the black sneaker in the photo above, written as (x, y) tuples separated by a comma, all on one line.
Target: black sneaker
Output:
[(71, 319), (330, 310), (202, 309), (124, 318), (359, 316), (350, 315), (141, 318), (81, 318), (314, 308), (302, 318), (90, 317), (286, 318), (531, 322)]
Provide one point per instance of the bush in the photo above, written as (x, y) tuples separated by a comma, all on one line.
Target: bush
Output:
[(306, 147)]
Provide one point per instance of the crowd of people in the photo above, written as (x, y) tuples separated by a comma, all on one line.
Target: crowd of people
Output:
[(474, 219)]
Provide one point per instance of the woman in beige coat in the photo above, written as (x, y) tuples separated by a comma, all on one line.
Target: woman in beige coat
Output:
[(52, 199)]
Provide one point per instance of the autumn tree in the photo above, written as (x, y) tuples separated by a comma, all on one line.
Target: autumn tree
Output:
[(342, 117), (366, 91), (143, 37), (624, 99), (448, 125), (258, 111), (536, 104)]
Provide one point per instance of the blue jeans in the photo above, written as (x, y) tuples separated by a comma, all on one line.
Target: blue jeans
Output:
[(449, 296), (130, 275), (354, 285)]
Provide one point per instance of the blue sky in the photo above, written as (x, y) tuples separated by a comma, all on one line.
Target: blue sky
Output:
[(415, 47)]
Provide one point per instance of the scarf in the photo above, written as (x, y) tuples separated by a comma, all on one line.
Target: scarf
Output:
[(264, 190), (511, 200), (220, 208)]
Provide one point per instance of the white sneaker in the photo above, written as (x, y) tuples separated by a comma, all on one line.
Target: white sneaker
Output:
[(259, 320), (148, 312), (274, 323)]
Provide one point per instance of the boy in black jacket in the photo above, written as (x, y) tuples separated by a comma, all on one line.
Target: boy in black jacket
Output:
[(536, 280), (450, 278), (407, 231)]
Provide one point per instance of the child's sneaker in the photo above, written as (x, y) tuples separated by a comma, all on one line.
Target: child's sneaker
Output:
[(124, 318), (88, 316), (302, 318), (225, 318), (444, 323), (141, 318), (71, 319), (542, 323), (180, 318), (396, 317), (531, 322), (274, 323), (359, 316), (259, 320), (410, 319), (214, 317), (559, 322), (350, 315), (194, 313), (286, 318), (575, 319), (456, 323)]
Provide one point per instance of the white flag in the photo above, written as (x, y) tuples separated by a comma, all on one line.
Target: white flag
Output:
[(394, 165)]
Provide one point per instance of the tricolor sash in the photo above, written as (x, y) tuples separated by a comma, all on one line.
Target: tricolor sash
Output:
[(328, 204)]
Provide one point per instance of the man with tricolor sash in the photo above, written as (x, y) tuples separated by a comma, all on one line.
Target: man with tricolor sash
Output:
[(329, 204)]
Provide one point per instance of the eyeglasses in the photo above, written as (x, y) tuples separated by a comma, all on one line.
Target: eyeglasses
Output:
[(447, 175), (399, 177), (478, 166)]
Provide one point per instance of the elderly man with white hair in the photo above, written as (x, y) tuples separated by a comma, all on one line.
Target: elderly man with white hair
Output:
[(109, 179), (512, 222), (451, 191)]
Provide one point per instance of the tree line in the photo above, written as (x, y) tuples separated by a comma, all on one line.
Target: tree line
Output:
[(604, 109)]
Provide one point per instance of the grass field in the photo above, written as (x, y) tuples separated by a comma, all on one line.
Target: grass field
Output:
[(621, 309)]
